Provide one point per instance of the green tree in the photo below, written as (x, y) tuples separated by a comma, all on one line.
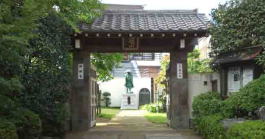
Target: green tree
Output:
[(47, 73), (104, 64), (196, 65), (160, 79), (238, 24)]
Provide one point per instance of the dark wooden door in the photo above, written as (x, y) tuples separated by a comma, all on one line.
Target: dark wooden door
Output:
[(144, 96)]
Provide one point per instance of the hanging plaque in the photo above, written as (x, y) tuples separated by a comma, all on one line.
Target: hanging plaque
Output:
[(179, 71), (80, 71), (131, 43)]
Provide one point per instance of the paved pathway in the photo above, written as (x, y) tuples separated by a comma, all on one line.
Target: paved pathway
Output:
[(131, 124)]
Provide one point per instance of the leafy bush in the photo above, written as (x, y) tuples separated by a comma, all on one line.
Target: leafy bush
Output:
[(7, 130), (210, 126), (27, 122), (248, 99), (247, 130), (55, 126), (6, 105), (206, 104), (153, 107)]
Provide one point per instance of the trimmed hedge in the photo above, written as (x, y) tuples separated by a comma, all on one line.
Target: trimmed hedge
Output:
[(247, 130), (206, 104), (210, 126), (7, 130)]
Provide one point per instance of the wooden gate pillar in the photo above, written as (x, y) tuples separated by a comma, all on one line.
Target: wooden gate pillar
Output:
[(80, 110), (178, 89)]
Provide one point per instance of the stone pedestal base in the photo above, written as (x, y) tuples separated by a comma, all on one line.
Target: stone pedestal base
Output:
[(129, 101)]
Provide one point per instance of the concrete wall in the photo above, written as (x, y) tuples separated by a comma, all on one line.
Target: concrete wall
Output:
[(197, 85), (116, 88)]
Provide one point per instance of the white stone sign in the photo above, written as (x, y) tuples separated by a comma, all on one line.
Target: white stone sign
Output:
[(179, 71), (80, 71), (77, 43), (182, 43)]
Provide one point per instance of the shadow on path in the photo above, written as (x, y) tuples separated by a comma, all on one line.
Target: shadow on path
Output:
[(131, 124)]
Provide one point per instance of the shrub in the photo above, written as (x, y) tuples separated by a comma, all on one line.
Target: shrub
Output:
[(7, 130), (6, 105), (55, 125), (247, 130), (28, 123), (248, 99), (153, 107), (206, 104), (210, 126)]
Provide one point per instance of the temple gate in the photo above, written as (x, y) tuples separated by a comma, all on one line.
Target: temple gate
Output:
[(175, 31)]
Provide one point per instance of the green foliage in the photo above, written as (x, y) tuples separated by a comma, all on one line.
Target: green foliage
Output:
[(158, 118), (75, 11), (7, 130), (160, 79), (248, 129), (47, 73), (35, 60), (195, 65), (28, 123), (209, 109), (104, 64), (6, 106), (248, 99), (210, 126), (153, 107), (238, 24), (206, 104)]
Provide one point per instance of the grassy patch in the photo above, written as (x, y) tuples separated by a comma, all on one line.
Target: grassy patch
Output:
[(158, 118), (108, 113)]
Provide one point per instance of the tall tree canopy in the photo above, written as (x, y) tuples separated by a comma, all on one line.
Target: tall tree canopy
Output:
[(238, 24), (35, 63)]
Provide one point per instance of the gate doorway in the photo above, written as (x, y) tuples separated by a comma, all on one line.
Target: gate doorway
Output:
[(144, 96)]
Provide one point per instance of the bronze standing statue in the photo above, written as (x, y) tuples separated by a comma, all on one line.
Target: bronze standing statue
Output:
[(128, 81)]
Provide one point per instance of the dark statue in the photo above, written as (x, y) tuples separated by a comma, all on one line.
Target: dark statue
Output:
[(128, 81)]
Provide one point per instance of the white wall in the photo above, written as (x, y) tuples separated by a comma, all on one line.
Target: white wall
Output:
[(116, 88), (197, 87)]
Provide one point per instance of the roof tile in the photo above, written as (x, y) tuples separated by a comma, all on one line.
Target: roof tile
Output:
[(148, 21)]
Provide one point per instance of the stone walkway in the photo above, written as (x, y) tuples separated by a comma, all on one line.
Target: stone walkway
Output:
[(131, 124)]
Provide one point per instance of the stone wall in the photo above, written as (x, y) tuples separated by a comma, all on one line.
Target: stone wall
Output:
[(201, 83)]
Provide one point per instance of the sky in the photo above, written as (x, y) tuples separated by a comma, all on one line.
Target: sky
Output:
[(204, 6)]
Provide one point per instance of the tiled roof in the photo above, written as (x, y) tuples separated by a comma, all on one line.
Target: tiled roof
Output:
[(148, 21)]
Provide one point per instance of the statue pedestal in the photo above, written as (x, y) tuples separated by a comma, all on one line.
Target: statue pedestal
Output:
[(129, 101)]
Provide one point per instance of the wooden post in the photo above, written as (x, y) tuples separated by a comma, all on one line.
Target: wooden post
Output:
[(80, 110), (178, 89)]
